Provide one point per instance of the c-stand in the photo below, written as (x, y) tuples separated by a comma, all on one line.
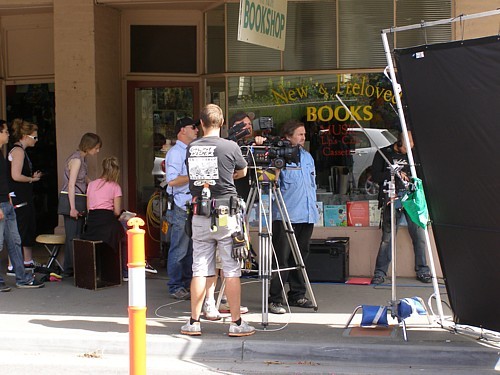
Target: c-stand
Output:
[(392, 193), (266, 183)]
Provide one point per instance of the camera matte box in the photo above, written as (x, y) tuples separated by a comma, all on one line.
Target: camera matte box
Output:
[(328, 260)]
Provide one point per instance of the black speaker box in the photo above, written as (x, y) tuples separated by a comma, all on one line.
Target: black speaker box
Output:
[(328, 260)]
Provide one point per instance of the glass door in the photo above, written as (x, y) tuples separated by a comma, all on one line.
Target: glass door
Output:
[(156, 108)]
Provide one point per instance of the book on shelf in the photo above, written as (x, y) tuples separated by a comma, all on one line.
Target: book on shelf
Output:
[(358, 214), (319, 206), (335, 215), (374, 213)]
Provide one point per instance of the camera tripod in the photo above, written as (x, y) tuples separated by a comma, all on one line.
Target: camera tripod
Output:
[(266, 183)]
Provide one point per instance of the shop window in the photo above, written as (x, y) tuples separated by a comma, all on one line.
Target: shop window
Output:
[(311, 36), (243, 56), (343, 153), (162, 49), (409, 12), (324, 35), (216, 45)]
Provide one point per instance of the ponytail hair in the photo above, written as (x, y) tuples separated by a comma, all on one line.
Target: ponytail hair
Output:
[(110, 169)]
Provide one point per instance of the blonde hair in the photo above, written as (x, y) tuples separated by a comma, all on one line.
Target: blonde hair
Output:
[(212, 116), (110, 169), (20, 128)]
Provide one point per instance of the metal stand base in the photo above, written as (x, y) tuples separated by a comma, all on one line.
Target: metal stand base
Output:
[(401, 321)]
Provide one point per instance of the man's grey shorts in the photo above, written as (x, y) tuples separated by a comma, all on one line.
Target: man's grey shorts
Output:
[(205, 243)]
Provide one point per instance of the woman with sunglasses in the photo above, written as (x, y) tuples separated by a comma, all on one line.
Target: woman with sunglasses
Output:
[(24, 135)]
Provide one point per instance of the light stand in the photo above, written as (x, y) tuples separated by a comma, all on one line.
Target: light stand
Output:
[(267, 182), (392, 195), (394, 168)]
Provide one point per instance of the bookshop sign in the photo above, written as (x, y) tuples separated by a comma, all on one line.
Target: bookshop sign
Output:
[(263, 22)]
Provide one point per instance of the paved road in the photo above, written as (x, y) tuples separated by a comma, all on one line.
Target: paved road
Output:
[(61, 328)]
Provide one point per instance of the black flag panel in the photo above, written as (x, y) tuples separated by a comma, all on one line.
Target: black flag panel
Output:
[(452, 97)]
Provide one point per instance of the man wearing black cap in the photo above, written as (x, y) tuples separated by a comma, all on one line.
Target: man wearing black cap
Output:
[(180, 254)]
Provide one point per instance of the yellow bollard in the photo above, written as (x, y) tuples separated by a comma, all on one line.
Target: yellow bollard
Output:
[(136, 297)]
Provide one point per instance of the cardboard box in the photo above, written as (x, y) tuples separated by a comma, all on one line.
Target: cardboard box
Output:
[(358, 214), (335, 215), (319, 206)]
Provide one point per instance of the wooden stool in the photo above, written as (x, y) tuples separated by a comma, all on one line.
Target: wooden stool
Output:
[(96, 265), (52, 243)]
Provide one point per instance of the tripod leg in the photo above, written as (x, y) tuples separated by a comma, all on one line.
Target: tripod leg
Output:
[(293, 244), (264, 257), (265, 274), (249, 203), (221, 292)]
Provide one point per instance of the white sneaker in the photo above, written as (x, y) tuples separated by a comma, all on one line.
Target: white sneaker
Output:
[(210, 311), (10, 272), (276, 308), (241, 330), (224, 308), (191, 329)]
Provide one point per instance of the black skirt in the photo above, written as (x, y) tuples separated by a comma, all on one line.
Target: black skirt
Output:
[(103, 225)]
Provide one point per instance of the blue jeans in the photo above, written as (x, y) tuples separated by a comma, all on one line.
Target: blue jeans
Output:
[(417, 235), (180, 253), (10, 234)]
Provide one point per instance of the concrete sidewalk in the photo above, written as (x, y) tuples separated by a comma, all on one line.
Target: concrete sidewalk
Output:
[(63, 319)]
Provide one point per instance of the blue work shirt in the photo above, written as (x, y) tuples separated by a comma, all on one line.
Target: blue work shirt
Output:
[(175, 166), (298, 188)]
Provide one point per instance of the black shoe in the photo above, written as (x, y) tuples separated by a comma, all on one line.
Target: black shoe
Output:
[(33, 284), (150, 269), (181, 293), (302, 302), (424, 278), (378, 279), (4, 288)]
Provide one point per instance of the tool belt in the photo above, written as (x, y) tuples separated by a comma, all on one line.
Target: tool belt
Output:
[(215, 207)]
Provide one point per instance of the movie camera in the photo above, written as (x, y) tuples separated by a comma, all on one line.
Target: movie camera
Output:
[(237, 133), (273, 153)]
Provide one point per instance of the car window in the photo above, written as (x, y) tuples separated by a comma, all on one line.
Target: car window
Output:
[(360, 140), (390, 137)]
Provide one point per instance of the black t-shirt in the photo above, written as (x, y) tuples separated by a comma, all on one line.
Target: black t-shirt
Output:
[(213, 160), (381, 173), (23, 191), (4, 181)]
